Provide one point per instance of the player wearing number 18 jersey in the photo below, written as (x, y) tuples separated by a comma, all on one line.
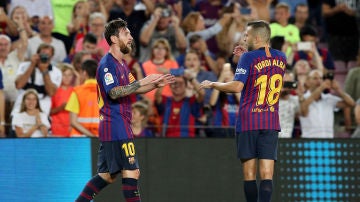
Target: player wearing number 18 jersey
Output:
[(259, 78), (261, 71)]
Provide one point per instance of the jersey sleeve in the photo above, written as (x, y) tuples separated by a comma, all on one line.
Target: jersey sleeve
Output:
[(242, 69), (73, 104), (333, 100), (107, 77)]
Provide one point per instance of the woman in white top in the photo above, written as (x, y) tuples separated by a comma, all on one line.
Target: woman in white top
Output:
[(30, 121)]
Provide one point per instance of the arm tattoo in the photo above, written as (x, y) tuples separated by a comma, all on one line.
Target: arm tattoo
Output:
[(122, 91)]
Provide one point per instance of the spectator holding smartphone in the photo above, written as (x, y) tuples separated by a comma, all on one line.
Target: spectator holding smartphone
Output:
[(307, 49), (288, 105), (317, 108)]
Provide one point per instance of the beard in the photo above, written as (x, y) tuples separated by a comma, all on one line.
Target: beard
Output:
[(125, 49), (250, 46)]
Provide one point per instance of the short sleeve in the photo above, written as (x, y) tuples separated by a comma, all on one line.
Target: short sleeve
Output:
[(107, 77), (242, 69), (56, 76), (73, 104), (333, 100), (22, 68), (16, 120)]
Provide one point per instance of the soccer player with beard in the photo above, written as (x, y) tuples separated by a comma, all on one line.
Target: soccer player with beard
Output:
[(259, 79), (115, 83)]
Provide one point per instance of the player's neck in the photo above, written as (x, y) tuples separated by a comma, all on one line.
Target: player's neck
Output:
[(116, 53), (260, 45)]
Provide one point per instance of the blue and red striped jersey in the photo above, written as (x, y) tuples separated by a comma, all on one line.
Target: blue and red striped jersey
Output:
[(225, 110), (115, 115), (179, 117), (262, 73)]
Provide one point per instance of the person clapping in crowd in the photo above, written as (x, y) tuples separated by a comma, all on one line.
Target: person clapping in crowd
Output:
[(31, 121)]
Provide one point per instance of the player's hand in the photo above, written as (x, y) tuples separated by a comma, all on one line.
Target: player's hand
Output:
[(206, 84), (239, 50), (164, 80), (149, 79), (326, 84), (335, 86)]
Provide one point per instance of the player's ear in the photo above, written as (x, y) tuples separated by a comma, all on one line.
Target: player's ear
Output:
[(113, 39)]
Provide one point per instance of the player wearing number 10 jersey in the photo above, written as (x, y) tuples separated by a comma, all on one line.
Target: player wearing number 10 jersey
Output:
[(259, 79), (115, 83)]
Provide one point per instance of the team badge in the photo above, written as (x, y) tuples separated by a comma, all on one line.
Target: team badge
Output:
[(176, 111), (106, 69), (131, 160), (108, 78)]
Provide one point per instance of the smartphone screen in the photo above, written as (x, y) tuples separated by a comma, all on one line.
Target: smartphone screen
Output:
[(304, 46), (245, 11)]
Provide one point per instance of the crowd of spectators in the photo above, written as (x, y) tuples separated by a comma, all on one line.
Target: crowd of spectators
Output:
[(49, 49)]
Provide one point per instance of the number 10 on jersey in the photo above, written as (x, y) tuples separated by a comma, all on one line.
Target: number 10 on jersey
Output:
[(129, 149)]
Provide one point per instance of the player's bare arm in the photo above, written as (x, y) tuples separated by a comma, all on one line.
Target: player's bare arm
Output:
[(122, 91), (140, 86), (154, 81), (228, 87), (144, 85)]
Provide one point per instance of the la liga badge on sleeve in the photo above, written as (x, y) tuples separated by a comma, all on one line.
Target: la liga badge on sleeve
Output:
[(108, 78)]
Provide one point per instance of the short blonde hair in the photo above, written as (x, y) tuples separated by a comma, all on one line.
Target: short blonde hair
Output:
[(283, 5), (65, 66)]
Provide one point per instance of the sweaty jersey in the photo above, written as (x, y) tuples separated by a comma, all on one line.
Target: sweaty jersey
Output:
[(262, 74), (115, 115)]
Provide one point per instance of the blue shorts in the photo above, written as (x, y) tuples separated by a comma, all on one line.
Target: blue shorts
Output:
[(115, 156), (260, 144)]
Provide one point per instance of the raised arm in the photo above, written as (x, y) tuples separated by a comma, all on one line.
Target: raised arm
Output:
[(179, 34), (347, 100), (148, 29), (50, 86), (23, 78), (150, 7)]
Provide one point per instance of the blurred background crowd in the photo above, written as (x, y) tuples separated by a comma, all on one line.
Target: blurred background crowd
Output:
[(49, 51)]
